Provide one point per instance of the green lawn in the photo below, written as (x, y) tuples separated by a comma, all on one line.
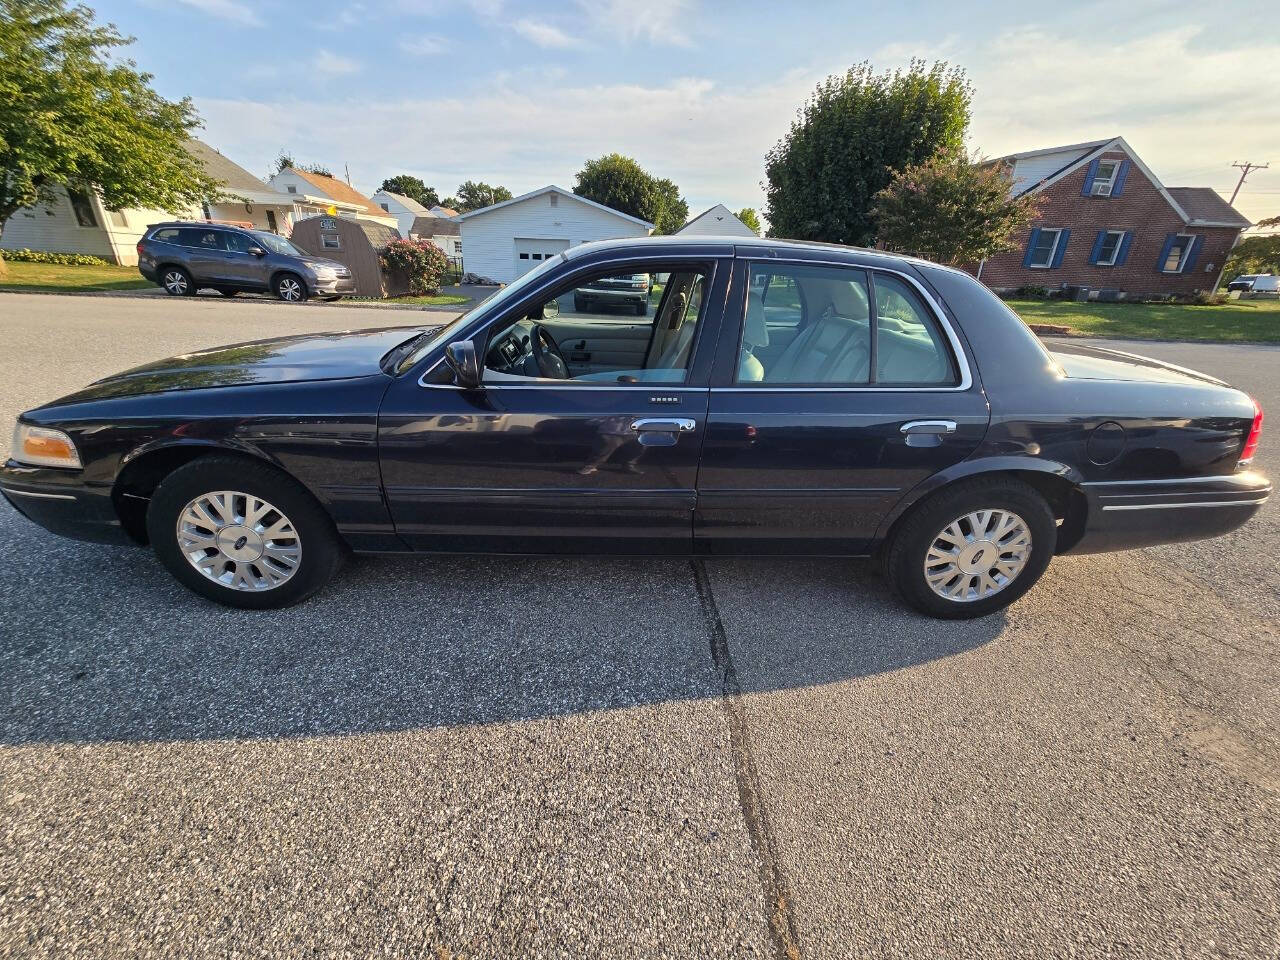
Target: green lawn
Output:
[(1243, 320), (440, 300), (53, 277)]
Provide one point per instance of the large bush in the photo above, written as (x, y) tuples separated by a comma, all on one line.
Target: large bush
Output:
[(423, 264)]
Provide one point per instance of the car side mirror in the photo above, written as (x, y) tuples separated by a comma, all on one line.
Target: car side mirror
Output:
[(462, 360), (257, 251)]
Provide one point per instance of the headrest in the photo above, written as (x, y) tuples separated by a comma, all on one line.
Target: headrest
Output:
[(755, 332)]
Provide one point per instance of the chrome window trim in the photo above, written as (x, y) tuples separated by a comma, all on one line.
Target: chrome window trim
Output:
[(962, 360)]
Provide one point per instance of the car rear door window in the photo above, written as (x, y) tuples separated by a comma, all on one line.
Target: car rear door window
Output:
[(200, 238), (910, 348)]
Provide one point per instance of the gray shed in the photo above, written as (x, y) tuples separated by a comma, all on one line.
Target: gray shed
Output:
[(355, 243)]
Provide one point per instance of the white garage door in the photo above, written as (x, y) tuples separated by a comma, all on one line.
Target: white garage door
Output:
[(531, 253)]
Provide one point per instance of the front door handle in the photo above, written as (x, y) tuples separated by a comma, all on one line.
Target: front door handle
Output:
[(917, 427), (664, 425)]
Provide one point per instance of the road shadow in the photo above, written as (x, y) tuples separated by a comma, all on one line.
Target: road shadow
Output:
[(100, 644)]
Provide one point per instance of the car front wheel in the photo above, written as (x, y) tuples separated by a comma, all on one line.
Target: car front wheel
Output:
[(242, 534), (290, 288), (972, 549)]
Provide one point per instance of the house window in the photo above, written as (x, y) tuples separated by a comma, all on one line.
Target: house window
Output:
[(385, 207), (118, 218), (1046, 247), (1109, 249), (555, 199), (330, 241), (1105, 178), (457, 246), (271, 221), (83, 208), (1176, 258), (291, 188)]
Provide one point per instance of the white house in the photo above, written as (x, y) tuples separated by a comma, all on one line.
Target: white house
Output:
[(313, 193), (508, 239), (77, 222), (445, 234), (719, 221), (404, 209)]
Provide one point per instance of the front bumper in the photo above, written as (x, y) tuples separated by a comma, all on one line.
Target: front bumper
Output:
[(1139, 513), (341, 287), (61, 502), (615, 296)]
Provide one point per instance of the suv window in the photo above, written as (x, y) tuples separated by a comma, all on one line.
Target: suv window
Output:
[(166, 235), (831, 309), (909, 346), (237, 242), (609, 328), (202, 238)]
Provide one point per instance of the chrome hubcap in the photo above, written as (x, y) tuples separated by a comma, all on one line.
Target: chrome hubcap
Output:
[(175, 283), (977, 555), (239, 540), (290, 290)]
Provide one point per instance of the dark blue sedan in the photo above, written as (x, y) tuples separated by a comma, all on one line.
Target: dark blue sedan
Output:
[(772, 398)]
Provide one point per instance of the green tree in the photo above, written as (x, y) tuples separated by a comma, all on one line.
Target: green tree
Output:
[(471, 195), (1256, 254), (621, 183), (850, 137), (73, 115), (951, 209), (749, 217), (413, 188)]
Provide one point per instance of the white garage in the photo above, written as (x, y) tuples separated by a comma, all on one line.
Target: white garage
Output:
[(513, 237)]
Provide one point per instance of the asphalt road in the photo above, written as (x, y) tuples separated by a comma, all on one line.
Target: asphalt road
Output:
[(501, 757)]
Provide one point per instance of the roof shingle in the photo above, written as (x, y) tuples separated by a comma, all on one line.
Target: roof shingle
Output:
[(340, 190), (1205, 203)]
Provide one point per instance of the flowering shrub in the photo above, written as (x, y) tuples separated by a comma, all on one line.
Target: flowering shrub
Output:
[(48, 256), (423, 264)]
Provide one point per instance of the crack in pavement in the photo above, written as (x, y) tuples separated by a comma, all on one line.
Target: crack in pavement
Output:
[(773, 881)]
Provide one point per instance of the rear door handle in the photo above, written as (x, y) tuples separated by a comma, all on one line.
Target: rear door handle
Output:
[(664, 425), (918, 427)]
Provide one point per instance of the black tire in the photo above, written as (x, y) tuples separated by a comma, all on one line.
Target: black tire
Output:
[(332, 299), (905, 554), (579, 304), (177, 282), (321, 550), (290, 288), (227, 292), (642, 308)]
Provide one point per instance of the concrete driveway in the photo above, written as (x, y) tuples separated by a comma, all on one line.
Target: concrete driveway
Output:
[(533, 757)]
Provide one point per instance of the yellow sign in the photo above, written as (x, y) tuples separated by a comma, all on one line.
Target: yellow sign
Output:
[(331, 210)]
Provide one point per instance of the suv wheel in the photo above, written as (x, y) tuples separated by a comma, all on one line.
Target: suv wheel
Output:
[(177, 282), (290, 288), (242, 534), (972, 549)]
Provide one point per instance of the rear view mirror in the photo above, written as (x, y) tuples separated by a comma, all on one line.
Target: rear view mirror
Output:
[(462, 360)]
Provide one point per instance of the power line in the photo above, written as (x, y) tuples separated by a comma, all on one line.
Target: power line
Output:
[(1245, 169)]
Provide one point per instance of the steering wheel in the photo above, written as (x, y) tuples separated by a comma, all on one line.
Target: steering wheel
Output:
[(547, 355)]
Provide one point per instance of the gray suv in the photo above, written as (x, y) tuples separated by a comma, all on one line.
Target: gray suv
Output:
[(185, 257)]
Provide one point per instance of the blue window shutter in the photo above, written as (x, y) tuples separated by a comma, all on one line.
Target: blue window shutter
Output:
[(1169, 240), (1088, 178), (1117, 186), (1031, 246), (1190, 263), (1123, 253), (1097, 246), (1062, 248)]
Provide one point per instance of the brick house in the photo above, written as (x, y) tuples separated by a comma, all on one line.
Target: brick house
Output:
[(1107, 223)]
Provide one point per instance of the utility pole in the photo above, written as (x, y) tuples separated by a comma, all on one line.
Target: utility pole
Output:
[(347, 167), (1245, 169)]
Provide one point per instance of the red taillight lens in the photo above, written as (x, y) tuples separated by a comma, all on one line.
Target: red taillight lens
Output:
[(139, 248), (1255, 433)]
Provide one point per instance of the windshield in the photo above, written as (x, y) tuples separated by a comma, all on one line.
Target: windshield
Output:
[(433, 338), (277, 244)]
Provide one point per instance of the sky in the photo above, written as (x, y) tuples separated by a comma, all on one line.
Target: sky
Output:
[(521, 94)]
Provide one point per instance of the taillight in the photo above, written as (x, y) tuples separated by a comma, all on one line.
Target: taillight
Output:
[(139, 248), (1255, 433)]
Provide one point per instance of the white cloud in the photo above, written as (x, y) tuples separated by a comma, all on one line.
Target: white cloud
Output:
[(426, 45), (662, 22), (543, 34), (232, 10), (333, 64)]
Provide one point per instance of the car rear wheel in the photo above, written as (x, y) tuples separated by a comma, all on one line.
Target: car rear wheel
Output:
[(177, 282), (972, 549), (242, 534), (290, 288)]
